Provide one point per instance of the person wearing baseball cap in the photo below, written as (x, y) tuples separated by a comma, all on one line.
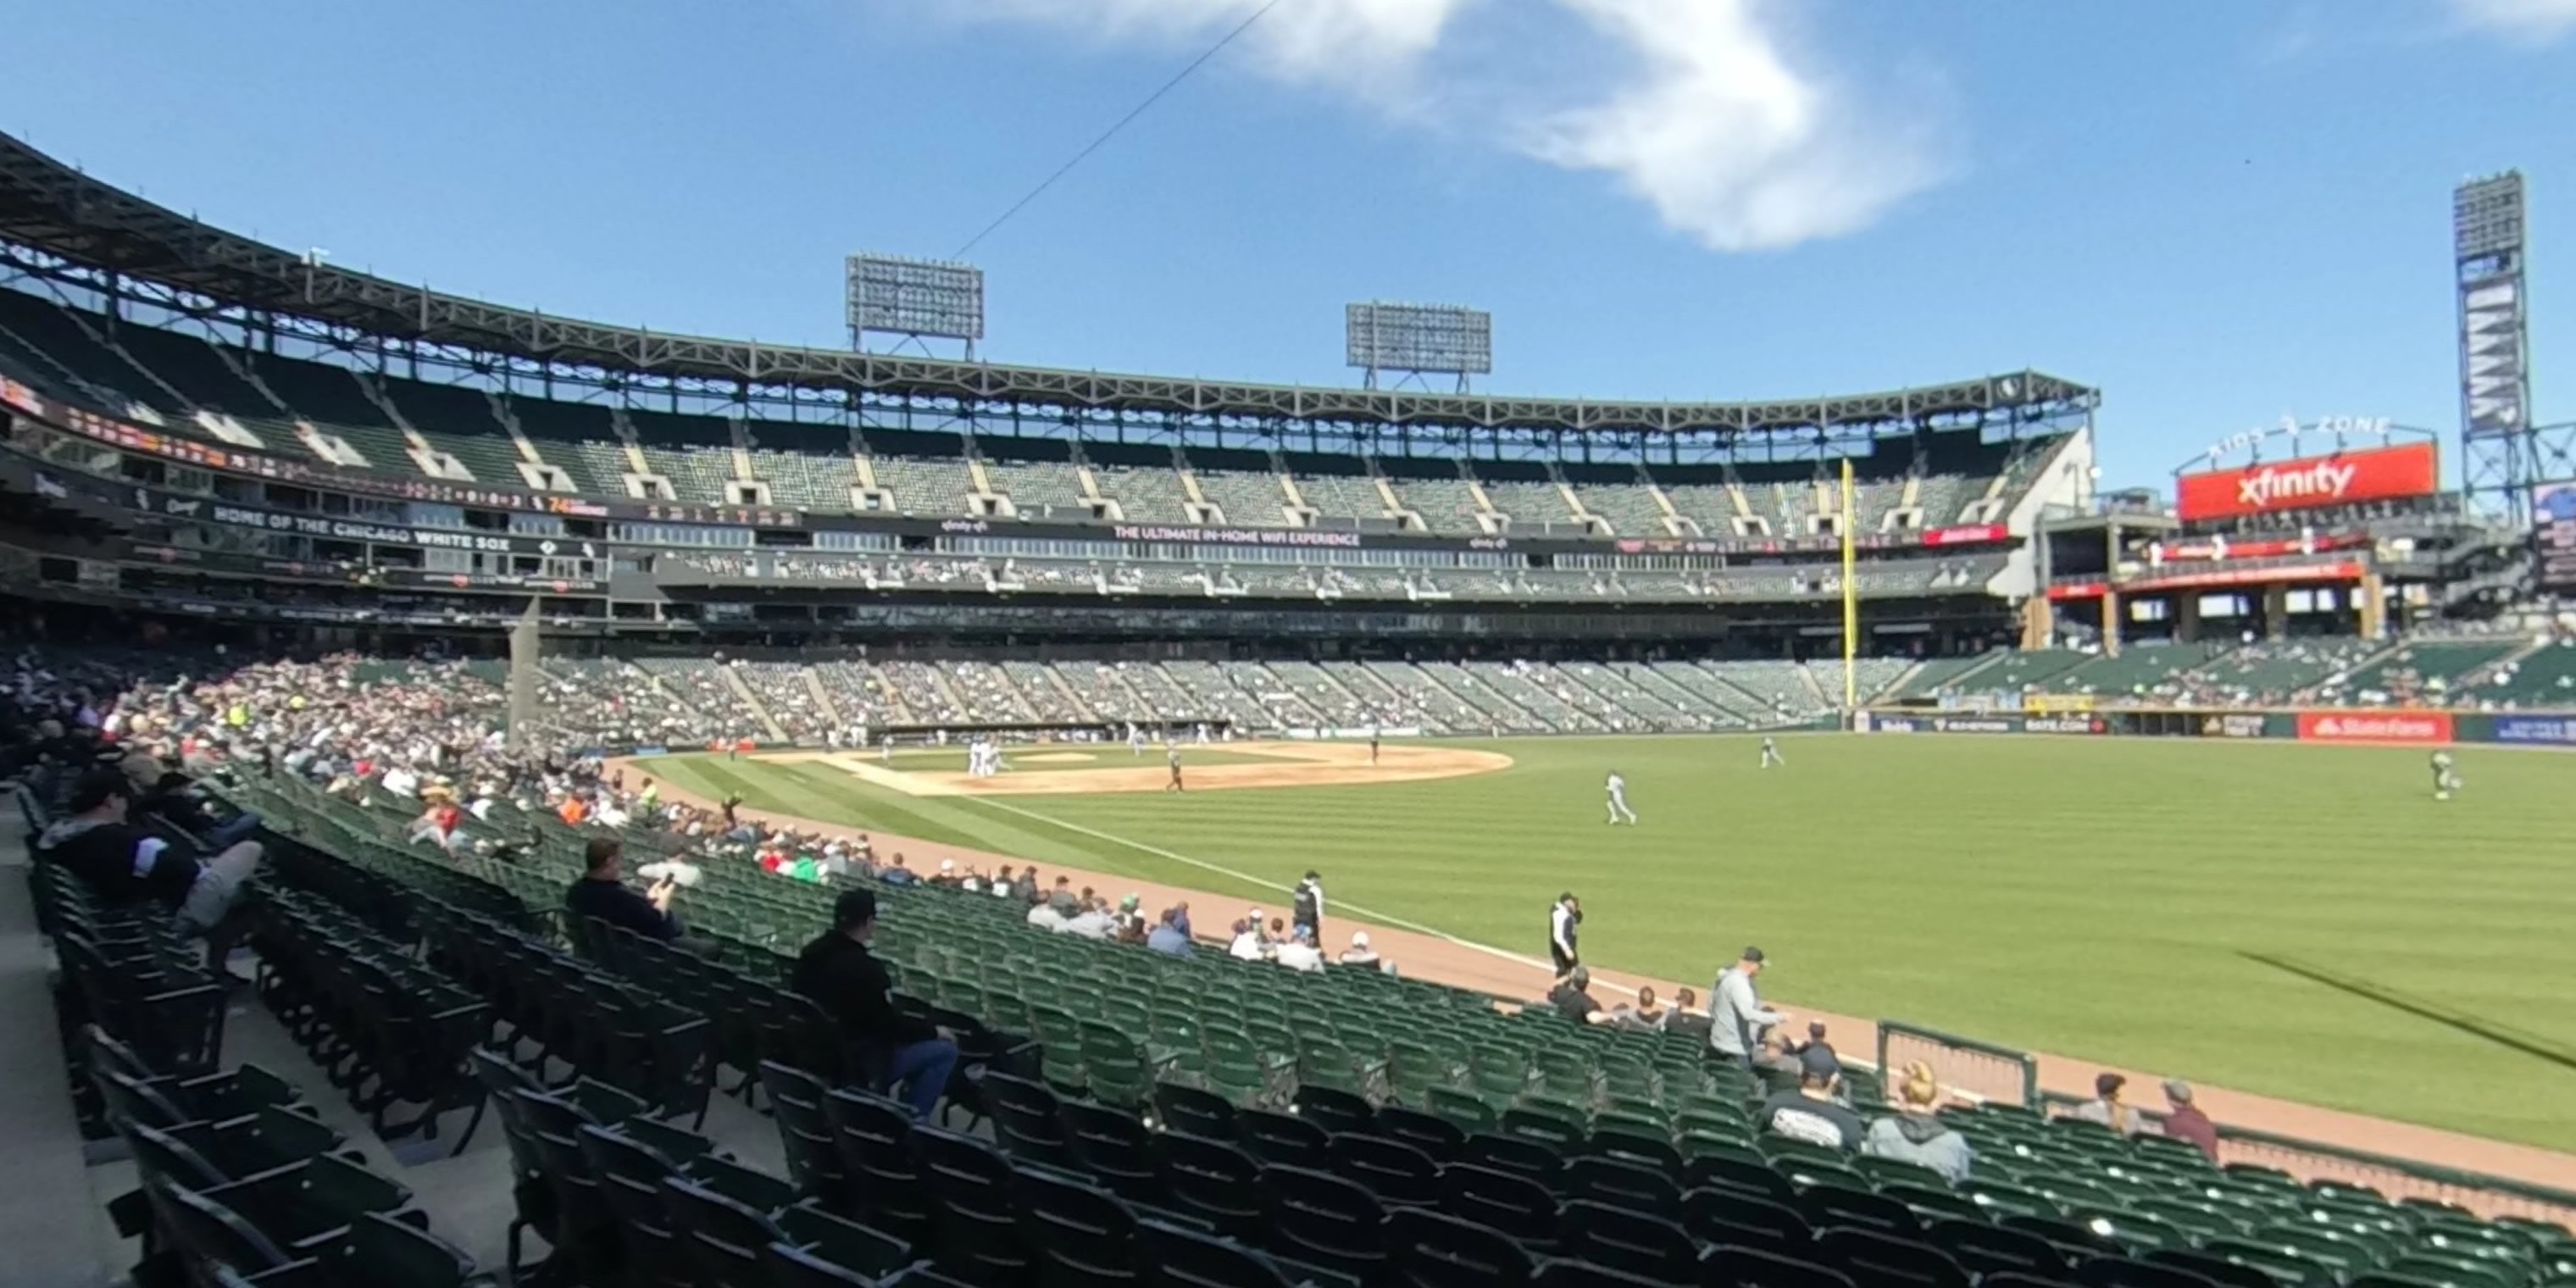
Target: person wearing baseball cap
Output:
[(847, 981), (1737, 1017), (2185, 1121), (2106, 1107)]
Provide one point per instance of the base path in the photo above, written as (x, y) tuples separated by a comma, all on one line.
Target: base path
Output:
[(1422, 953), (1284, 764)]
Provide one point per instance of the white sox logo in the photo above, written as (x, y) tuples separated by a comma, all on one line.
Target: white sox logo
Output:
[(2323, 481)]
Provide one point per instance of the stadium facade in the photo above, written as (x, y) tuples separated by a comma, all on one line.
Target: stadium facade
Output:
[(205, 425)]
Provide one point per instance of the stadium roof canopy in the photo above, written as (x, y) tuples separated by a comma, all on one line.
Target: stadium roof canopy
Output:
[(54, 209)]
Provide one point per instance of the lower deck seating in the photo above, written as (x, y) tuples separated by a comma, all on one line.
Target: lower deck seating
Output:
[(1224, 1123)]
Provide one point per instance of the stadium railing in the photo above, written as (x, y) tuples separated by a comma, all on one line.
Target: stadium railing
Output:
[(2398, 1178), (1995, 1074)]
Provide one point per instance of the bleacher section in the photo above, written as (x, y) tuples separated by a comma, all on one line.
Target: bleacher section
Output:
[(923, 485), (2545, 679), (2415, 673), (1146, 495), (2141, 671), (598, 445), (1248, 500), (1447, 505), (1203, 1121)]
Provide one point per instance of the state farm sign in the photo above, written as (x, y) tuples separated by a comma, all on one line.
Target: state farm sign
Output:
[(2373, 474), (2375, 726)]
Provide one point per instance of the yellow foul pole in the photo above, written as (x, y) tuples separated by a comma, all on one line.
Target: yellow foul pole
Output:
[(1851, 601)]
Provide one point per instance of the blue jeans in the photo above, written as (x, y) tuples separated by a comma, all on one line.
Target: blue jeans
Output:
[(228, 835), (923, 1068)]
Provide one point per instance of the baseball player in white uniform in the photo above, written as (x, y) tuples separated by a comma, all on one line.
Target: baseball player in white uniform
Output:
[(1771, 754), (1618, 787)]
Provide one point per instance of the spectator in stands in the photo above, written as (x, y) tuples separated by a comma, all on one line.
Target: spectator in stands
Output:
[(850, 984), (1737, 1019), (1131, 928), (1571, 995), (896, 874), (1915, 1132), (1684, 1016), (1815, 1041), (123, 864), (1360, 954), (1091, 921), (1298, 952), (2105, 1106), (601, 892), (2185, 1121), (1168, 938), (1647, 1012), (1811, 1113), (1051, 915), (164, 793), (1246, 946), (1001, 887)]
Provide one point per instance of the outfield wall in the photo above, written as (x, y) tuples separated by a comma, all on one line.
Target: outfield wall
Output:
[(2350, 726)]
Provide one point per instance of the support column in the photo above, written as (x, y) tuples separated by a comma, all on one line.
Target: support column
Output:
[(2276, 612), (2110, 623), (2038, 621), (2186, 617), (2372, 610)]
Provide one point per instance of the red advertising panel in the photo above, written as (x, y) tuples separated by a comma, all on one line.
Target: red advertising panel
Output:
[(2372, 474), (2375, 726), (1965, 535)]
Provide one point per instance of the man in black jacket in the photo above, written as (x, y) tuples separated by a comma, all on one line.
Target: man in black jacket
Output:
[(124, 864), (602, 892), (847, 981)]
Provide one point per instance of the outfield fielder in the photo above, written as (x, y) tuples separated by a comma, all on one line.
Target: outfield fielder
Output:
[(1771, 754), (1618, 787), (2445, 781)]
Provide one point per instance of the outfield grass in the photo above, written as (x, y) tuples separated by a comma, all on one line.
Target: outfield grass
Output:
[(2165, 905)]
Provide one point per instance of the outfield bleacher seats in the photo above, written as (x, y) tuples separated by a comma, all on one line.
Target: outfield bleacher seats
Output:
[(2415, 672), (2543, 681)]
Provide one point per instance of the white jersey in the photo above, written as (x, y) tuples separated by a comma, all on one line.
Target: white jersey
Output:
[(1618, 787)]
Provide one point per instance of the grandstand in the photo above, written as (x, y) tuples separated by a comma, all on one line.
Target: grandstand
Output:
[(754, 548)]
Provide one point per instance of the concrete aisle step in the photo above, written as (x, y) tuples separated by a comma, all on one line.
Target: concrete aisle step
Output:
[(54, 1234)]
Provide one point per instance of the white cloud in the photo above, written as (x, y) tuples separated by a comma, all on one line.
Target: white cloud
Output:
[(1726, 139), (1701, 111), (2536, 21), (1352, 43)]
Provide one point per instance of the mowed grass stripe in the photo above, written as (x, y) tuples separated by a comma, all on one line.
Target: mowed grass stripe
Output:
[(2106, 899)]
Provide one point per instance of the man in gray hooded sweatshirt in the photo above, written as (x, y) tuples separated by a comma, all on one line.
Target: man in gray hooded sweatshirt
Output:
[(1915, 1133)]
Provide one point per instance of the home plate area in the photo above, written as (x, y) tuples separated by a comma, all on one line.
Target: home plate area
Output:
[(1241, 765)]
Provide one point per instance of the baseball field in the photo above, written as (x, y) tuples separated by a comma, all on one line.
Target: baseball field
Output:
[(2303, 922)]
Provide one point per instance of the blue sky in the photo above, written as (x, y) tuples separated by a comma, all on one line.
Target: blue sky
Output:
[(2217, 211)]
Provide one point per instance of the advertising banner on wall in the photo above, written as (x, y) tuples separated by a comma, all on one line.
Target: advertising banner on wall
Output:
[(2066, 724), (2234, 725), (2553, 731), (2553, 534), (2375, 726), (2370, 474), (1976, 724)]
